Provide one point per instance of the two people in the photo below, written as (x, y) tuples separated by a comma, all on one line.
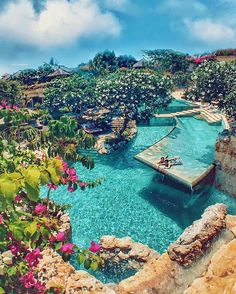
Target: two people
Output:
[(169, 162)]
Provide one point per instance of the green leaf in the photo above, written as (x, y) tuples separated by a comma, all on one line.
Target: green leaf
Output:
[(94, 265), (58, 246), (32, 228), (11, 271), (17, 232), (32, 177), (87, 264), (2, 291), (80, 258)]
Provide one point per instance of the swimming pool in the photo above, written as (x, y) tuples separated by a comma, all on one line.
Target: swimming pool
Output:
[(133, 200)]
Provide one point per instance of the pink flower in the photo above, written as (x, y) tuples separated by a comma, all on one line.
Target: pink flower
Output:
[(28, 280), (94, 247), (52, 239), (74, 179), (60, 236), (64, 166), (1, 219), (8, 107), (18, 198), (52, 186), (40, 208), (67, 248), (16, 108), (33, 257), (71, 189), (15, 248), (4, 103), (1, 107), (83, 184), (71, 171)]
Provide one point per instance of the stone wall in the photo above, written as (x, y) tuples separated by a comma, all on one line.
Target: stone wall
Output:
[(225, 159)]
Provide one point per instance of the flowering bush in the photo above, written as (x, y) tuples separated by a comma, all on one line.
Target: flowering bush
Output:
[(27, 225)]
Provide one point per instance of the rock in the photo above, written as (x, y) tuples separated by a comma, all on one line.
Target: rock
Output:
[(65, 225), (164, 276), (220, 276), (231, 223), (225, 159), (198, 237), (125, 252), (54, 272)]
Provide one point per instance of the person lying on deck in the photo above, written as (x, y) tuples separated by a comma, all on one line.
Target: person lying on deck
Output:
[(173, 161), (162, 160)]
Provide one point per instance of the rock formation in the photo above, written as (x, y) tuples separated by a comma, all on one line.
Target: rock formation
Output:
[(225, 159), (126, 253), (198, 237), (201, 261)]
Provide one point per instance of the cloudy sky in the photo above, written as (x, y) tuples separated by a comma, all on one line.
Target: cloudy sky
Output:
[(72, 31)]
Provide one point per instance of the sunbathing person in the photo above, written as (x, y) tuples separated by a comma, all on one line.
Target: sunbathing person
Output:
[(167, 163), (162, 160)]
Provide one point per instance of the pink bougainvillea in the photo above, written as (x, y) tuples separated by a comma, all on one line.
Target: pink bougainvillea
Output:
[(40, 208), (71, 189), (32, 257), (52, 186), (60, 236), (83, 184), (1, 219), (94, 247), (29, 281), (67, 248)]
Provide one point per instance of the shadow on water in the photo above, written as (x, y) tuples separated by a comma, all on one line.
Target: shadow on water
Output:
[(177, 201)]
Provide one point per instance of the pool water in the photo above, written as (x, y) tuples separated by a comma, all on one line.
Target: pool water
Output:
[(178, 105), (133, 200)]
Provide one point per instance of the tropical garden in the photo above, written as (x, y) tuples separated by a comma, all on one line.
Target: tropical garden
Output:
[(33, 157)]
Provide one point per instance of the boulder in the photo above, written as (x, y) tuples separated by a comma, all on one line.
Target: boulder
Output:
[(198, 237)]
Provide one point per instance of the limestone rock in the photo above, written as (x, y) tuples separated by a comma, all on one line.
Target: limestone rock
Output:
[(125, 252), (225, 159), (198, 237), (221, 274), (54, 272)]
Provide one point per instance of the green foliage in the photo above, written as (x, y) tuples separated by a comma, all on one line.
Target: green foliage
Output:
[(167, 60), (76, 93), (181, 79), (104, 63), (134, 94), (10, 91)]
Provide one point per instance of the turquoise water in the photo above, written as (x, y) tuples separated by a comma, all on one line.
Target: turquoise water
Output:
[(177, 105), (192, 141), (134, 200)]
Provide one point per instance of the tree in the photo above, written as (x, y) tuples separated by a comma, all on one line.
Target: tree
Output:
[(126, 61), (167, 60), (103, 63), (76, 93), (10, 91), (211, 81), (135, 94)]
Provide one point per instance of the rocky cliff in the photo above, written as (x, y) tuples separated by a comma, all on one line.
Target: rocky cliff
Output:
[(225, 159)]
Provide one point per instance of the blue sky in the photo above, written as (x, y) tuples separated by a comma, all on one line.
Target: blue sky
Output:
[(72, 31)]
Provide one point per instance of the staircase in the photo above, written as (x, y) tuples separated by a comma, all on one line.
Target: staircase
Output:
[(211, 117)]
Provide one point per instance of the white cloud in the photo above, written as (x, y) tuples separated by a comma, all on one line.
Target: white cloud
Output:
[(60, 23), (209, 31)]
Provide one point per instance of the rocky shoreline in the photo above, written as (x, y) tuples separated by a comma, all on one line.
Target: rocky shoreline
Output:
[(204, 253)]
